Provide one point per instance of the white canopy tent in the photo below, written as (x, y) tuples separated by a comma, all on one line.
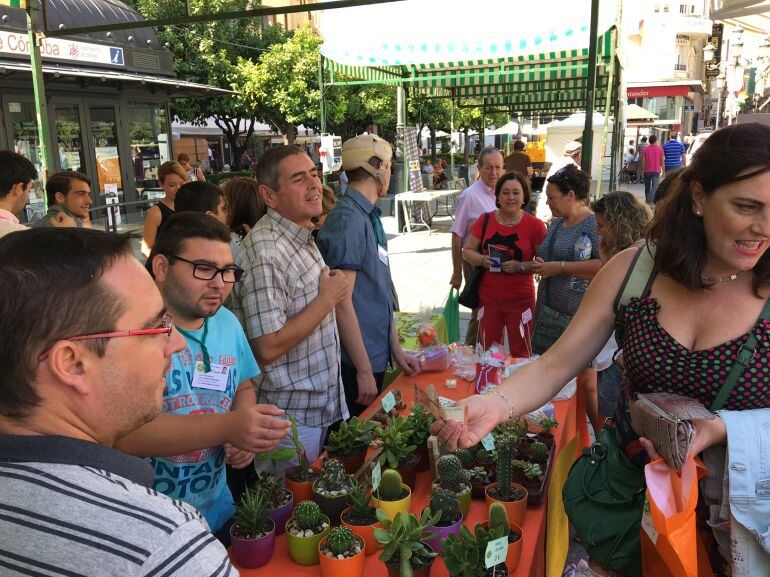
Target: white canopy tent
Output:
[(560, 132)]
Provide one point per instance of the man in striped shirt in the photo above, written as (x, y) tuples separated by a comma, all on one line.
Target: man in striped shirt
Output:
[(675, 153), (79, 371)]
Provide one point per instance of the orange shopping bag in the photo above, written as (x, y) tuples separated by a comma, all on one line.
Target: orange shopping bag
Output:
[(671, 545)]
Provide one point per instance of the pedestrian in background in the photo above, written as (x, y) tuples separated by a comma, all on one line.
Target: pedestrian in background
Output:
[(245, 204), (171, 176), (675, 152), (653, 159)]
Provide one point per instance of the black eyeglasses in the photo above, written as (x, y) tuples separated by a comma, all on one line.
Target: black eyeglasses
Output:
[(201, 271)]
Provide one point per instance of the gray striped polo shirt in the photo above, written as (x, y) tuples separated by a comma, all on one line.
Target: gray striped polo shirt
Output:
[(72, 508)]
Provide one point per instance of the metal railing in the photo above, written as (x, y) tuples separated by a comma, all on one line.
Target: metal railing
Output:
[(111, 224)]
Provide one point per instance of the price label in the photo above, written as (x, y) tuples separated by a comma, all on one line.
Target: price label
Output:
[(388, 402), (376, 476), (488, 442), (526, 316), (479, 313), (521, 329), (496, 552)]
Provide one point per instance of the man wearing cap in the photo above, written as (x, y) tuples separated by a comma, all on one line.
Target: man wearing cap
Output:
[(573, 154), (479, 198), (353, 240)]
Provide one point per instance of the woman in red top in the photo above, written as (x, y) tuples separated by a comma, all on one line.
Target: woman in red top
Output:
[(506, 249)]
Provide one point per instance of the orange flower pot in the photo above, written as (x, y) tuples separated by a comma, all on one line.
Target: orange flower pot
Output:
[(516, 509), (366, 532), (513, 555), (352, 567), (302, 491)]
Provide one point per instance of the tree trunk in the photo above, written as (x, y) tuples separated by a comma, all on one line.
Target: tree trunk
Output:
[(433, 142), (289, 134), (467, 141)]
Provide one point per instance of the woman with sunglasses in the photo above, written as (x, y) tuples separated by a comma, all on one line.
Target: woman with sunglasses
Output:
[(706, 304)]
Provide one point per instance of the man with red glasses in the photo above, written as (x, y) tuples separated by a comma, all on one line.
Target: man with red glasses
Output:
[(79, 371), (211, 415)]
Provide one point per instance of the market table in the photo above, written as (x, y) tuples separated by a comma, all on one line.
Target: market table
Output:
[(408, 324), (570, 433), (427, 196)]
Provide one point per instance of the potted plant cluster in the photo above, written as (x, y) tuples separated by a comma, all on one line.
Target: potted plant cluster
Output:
[(360, 517), (419, 421), (397, 452), (252, 536), (504, 490), (330, 490), (453, 478), (498, 519), (451, 518), (341, 554), (393, 496), (350, 442), (404, 550), (304, 531), (279, 501), (464, 554)]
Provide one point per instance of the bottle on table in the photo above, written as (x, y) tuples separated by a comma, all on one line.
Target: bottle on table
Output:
[(583, 249)]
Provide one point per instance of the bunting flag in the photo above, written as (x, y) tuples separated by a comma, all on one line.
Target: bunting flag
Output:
[(14, 3)]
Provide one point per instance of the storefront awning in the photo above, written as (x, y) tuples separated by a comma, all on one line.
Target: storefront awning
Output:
[(175, 87), (656, 89)]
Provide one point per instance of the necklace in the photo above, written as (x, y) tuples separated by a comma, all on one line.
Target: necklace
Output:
[(716, 279), (514, 222)]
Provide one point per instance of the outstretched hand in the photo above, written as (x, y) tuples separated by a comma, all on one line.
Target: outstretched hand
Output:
[(484, 414)]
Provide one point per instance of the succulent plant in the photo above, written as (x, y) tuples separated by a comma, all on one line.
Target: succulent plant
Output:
[(351, 438), (307, 515), (333, 478), (268, 485), (419, 421), (445, 502), (402, 540), (498, 518), (506, 449), (451, 475), (533, 472), (284, 454), (478, 474), (341, 540), (539, 452), (464, 555), (250, 514), (547, 423), (390, 488), (361, 512), (396, 442), (466, 459)]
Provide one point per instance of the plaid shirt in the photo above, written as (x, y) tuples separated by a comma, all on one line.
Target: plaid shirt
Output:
[(283, 268)]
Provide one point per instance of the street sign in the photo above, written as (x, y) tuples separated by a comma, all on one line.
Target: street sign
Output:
[(689, 108)]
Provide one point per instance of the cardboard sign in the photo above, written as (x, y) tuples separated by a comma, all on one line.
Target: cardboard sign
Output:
[(429, 399)]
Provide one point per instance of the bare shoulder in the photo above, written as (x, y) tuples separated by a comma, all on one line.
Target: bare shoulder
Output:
[(610, 278)]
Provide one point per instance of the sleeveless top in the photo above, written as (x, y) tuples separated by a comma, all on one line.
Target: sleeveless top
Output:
[(656, 362), (165, 214)]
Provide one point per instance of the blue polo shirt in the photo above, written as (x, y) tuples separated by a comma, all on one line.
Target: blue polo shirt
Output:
[(673, 150), (352, 239)]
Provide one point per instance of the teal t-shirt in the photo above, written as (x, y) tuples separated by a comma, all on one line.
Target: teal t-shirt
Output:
[(198, 478)]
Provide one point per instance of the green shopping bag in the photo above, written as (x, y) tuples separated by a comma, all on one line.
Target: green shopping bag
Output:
[(452, 316)]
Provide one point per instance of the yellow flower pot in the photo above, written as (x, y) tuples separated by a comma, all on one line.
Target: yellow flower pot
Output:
[(393, 508)]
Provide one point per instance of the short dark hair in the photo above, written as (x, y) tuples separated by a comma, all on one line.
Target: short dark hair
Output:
[(518, 146), (198, 196), (183, 225), (653, 139), (267, 166), (14, 169), (678, 234), (571, 178), (521, 179), (34, 265), (245, 202), (359, 174), (62, 182)]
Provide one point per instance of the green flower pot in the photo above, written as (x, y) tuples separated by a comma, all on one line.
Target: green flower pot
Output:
[(304, 550)]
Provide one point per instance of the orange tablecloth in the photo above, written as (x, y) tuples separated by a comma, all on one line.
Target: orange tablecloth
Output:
[(532, 562)]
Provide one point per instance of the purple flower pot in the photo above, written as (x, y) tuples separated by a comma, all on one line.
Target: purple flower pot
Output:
[(252, 553), (282, 514), (442, 533)]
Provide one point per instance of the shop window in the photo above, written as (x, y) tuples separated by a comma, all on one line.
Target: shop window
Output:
[(23, 121), (105, 141), (147, 131), (69, 137)]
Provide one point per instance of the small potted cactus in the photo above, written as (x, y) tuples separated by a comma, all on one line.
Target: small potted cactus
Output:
[(452, 477), (464, 554), (498, 520), (466, 458), (252, 536), (404, 550), (419, 421), (304, 531), (278, 501), (393, 496), (504, 490), (539, 452), (480, 478), (397, 450), (341, 554), (350, 442), (330, 490), (445, 503), (360, 517)]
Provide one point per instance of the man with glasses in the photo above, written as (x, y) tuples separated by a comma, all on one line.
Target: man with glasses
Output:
[(80, 371), (211, 416)]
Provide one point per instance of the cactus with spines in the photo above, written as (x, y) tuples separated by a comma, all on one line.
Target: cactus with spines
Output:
[(498, 519), (451, 475), (307, 514), (539, 452), (484, 457), (341, 540), (466, 459), (390, 488), (506, 450), (333, 477), (445, 502)]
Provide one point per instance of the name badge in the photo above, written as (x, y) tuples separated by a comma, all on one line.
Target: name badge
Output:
[(215, 380), (383, 254)]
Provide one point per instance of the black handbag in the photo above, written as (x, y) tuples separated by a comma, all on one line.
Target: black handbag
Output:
[(550, 323), (469, 297)]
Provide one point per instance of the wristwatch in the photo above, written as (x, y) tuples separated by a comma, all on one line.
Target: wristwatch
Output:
[(522, 268)]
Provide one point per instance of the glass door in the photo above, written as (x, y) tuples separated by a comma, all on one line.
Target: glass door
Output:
[(69, 138), (21, 125), (103, 127)]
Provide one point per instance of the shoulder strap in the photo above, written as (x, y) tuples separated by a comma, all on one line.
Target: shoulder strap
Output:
[(745, 356), (548, 255), (639, 278), (484, 230)]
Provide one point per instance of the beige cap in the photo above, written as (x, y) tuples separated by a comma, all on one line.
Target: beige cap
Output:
[(357, 151), (573, 147)]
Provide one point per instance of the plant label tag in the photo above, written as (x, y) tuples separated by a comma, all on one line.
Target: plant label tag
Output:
[(488, 442), (526, 316), (521, 329), (376, 476), (496, 552), (388, 402), (479, 313), (647, 524)]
